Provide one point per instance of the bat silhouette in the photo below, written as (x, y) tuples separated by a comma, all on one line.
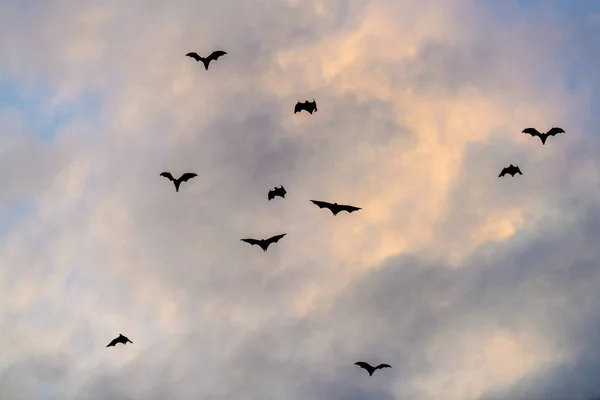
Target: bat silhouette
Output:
[(370, 369), (277, 191), (206, 60), (264, 243), (543, 136), (307, 106), (120, 339), (335, 208), (183, 178), (511, 170)]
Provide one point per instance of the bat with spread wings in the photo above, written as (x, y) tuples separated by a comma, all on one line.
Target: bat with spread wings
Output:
[(183, 178), (264, 243), (206, 60), (370, 369), (120, 339), (511, 170), (277, 191), (543, 136), (308, 106), (335, 208)]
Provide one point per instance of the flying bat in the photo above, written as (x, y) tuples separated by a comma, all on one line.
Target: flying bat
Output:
[(277, 191), (370, 369), (183, 178), (511, 170), (307, 106), (335, 208), (264, 243), (543, 136), (120, 339), (206, 60)]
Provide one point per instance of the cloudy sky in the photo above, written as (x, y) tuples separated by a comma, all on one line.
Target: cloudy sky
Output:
[(470, 286)]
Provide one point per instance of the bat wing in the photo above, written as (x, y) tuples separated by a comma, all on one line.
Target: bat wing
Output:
[(348, 208), (380, 366), (299, 107), (272, 194), (251, 241), (168, 176), (113, 343), (364, 365), (532, 131), (504, 170), (275, 239), (187, 176), (322, 204), (215, 55), (517, 170), (194, 55), (554, 131)]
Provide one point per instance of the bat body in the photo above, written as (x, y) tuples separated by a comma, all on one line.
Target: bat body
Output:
[(308, 106), (183, 178), (511, 170), (370, 369), (121, 339), (206, 60), (543, 136), (335, 208), (277, 191), (264, 243)]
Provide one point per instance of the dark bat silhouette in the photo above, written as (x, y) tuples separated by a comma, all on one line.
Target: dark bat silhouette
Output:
[(183, 178), (511, 170), (277, 191), (120, 339), (370, 369), (543, 136), (306, 106), (335, 207), (264, 243), (206, 60)]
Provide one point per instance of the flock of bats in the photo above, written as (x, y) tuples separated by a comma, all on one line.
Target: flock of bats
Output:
[(335, 208)]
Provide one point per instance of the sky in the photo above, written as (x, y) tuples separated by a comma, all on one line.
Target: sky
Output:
[(472, 287)]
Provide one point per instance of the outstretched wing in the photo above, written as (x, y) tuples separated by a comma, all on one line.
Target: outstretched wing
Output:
[(113, 342), (272, 194), (168, 176), (275, 239), (554, 131), (251, 241), (299, 107), (380, 366), (187, 176), (364, 365), (194, 55), (215, 55), (348, 208), (517, 170), (504, 171), (532, 131), (322, 204)]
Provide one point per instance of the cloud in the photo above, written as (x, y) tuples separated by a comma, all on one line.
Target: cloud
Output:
[(470, 286)]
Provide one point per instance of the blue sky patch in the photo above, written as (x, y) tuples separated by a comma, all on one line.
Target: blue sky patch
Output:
[(34, 103)]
